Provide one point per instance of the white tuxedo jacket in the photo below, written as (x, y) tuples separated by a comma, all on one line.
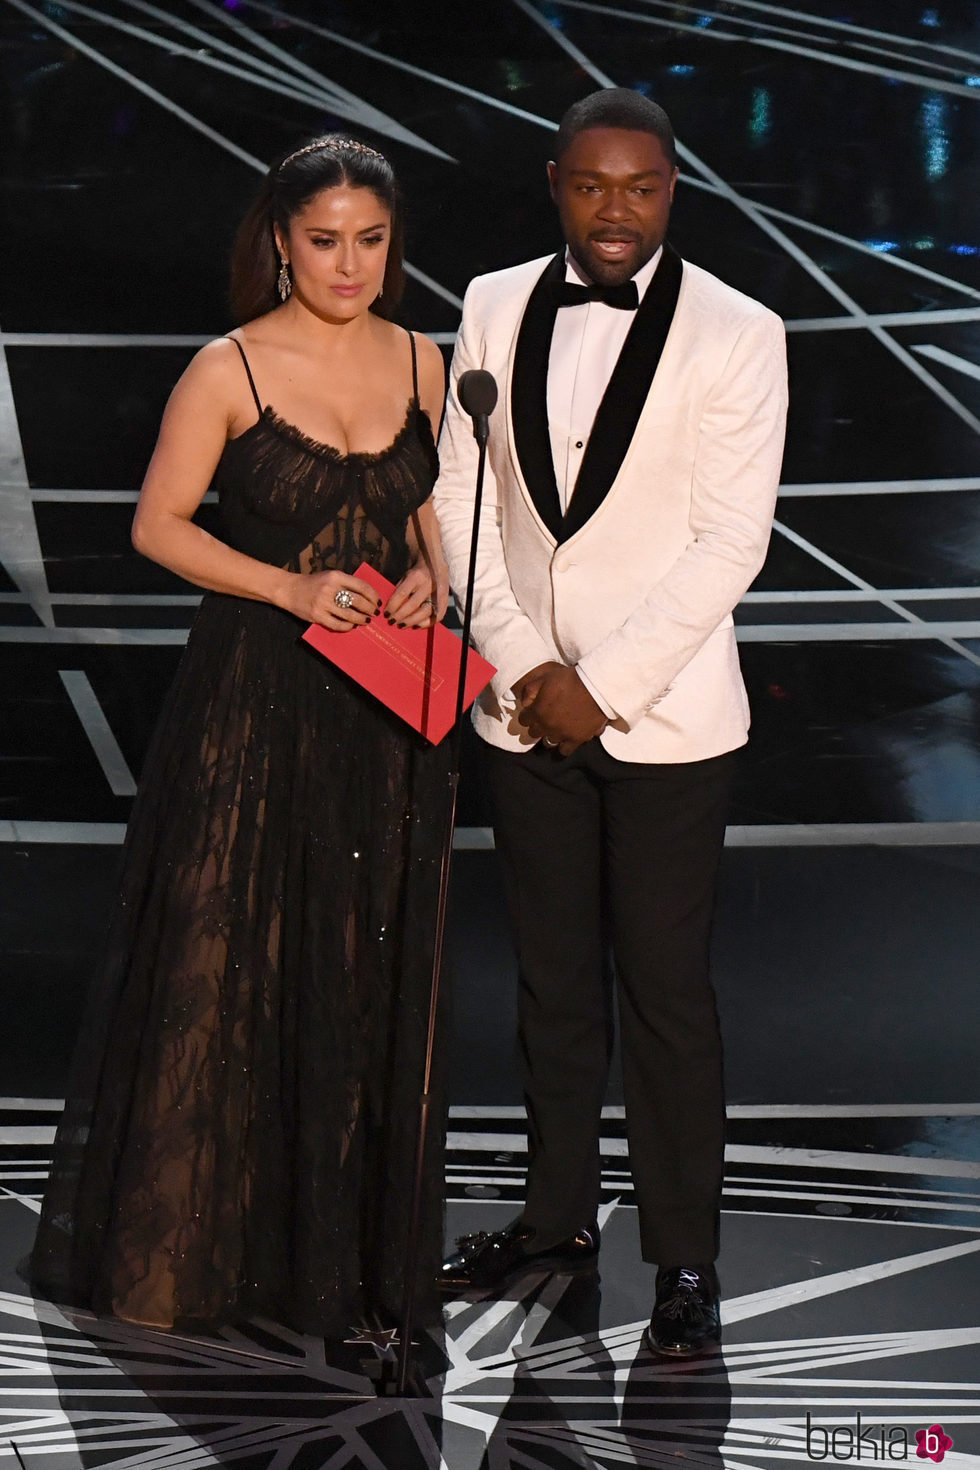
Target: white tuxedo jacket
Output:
[(668, 523)]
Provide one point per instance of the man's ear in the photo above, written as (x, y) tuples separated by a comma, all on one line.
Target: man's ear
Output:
[(673, 181), (553, 181)]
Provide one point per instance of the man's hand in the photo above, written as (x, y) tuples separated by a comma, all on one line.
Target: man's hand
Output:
[(556, 707)]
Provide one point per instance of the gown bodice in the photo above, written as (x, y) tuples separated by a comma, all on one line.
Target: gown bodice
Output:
[(287, 499)]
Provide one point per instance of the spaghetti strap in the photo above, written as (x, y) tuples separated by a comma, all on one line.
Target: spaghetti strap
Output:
[(251, 380), (415, 368)]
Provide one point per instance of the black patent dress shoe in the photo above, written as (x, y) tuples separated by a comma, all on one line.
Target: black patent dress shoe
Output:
[(686, 1316), (487, 1260)]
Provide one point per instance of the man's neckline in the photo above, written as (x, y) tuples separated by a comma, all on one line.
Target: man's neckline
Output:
[(643, 277)]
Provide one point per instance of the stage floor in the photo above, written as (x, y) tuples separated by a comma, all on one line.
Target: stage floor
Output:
[(826, 1316), (850, 1236)]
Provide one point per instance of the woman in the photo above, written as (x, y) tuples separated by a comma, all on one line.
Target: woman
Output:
[(240, 1131)]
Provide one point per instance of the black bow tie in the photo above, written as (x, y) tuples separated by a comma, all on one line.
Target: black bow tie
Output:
[(625, 297)]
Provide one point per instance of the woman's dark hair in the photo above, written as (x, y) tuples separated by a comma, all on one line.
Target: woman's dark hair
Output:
[(296, 178), (617, 107)]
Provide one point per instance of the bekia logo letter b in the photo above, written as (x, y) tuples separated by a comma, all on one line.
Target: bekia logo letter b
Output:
[(932, 1443)]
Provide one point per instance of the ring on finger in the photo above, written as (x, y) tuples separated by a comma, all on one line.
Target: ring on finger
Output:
[(344, 597)]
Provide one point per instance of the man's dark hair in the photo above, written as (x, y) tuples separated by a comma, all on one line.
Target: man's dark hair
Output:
[(616, 107)]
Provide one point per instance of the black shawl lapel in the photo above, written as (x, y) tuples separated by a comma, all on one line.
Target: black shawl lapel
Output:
[(618, 413), (529, 397)]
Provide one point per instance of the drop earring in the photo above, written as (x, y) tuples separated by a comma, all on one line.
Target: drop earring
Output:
[(284, 284)]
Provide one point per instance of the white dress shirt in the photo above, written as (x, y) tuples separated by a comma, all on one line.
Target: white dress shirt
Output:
[(585, 348)]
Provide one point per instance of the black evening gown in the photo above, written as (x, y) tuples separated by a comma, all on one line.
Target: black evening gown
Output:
[(240, 1129)]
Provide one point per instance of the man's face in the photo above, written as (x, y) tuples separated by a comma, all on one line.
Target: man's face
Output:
[(613, 188)]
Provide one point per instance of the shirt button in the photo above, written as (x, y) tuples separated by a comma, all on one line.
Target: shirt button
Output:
[(578, 443)]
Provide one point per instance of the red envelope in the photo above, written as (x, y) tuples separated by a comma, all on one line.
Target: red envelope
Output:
[(414, 671)]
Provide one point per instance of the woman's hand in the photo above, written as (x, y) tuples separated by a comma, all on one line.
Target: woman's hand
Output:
[(421, 597), (314, 597)]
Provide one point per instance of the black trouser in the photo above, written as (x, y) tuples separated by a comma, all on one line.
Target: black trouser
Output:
[(601, 854)]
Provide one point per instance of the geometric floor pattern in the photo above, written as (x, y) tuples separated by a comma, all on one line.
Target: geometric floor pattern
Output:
[(526, 1383), (851, 1319)]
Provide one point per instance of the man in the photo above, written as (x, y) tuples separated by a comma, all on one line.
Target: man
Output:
[(633, 466)]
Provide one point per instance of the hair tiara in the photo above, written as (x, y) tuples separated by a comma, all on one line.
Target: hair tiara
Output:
[(331, 145)]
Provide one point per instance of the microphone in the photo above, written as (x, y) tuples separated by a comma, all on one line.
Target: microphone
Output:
[(477, 392)]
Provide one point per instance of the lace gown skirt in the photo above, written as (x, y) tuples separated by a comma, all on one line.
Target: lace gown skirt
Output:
[(240, 1131)]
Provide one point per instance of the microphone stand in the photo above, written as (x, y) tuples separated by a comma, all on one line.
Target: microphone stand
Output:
[(481, 430)]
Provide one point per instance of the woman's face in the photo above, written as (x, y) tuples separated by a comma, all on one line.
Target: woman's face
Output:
[(337, 247)]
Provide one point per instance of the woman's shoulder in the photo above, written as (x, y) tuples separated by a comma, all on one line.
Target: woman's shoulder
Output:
[(396, 337), (215, 382), (432, 367), (217, 360), (430, 354)]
